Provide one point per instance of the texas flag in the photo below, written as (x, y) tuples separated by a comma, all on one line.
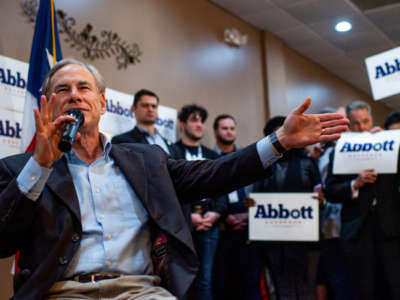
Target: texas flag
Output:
[(45, 52)]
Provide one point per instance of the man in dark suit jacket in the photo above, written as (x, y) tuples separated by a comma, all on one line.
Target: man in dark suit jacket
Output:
[(370, 220), (145, 107), (83, 221), (235, 254)]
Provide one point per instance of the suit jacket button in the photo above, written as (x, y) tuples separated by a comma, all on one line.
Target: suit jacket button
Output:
[(62, 260), (75, 237)]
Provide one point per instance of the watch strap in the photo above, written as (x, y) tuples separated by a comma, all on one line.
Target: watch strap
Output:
[(275, 142)]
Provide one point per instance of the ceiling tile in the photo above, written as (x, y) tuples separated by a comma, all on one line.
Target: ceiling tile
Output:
[(387, 20), (373, 4), (272, 20), (289, 3), (363, 34), (320, 10), (243, 7)]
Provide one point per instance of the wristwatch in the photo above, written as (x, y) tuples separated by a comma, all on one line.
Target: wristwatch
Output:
[(275, 142)]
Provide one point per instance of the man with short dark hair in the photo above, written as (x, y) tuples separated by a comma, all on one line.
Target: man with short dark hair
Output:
[(145, 108), (225, 133), (205, 213), (103, 220), (370, 230)]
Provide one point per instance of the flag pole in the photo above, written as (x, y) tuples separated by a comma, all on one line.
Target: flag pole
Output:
[(53, 33)]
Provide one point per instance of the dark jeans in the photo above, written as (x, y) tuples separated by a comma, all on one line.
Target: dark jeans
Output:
[(237, 267), (206, 246)]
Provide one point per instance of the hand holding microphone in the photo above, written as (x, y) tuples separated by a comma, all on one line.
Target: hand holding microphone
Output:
[(71, 129), (47, 138)]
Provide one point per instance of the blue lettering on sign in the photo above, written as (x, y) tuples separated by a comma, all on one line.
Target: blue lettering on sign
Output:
[(387, 69), (7, 77), (118, 109), (9, 130), (167, 123), (367, 147), (268, 212)]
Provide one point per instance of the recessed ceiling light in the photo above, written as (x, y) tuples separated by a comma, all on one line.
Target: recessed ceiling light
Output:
[(343, 26)]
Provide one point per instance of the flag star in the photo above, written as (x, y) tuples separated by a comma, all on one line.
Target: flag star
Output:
[(49, 58)]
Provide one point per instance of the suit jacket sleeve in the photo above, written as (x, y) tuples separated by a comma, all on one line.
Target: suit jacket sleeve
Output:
[(16, 211), (338, 187), (196, 180)]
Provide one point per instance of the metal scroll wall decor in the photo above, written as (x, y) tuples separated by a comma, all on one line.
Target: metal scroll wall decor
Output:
[(109, 44)]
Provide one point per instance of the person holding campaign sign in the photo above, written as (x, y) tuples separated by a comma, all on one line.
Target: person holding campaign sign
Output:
[(370, 232), (288, 262)]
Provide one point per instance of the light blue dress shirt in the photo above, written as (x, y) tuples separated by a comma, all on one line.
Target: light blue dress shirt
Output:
[(116, 231), (154, 139)]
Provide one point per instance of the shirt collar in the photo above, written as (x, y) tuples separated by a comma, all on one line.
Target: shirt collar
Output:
[(106, 143), (146, 131)]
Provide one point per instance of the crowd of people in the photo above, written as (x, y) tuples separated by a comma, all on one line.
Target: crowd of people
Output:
[(338, 267), (119, 219)]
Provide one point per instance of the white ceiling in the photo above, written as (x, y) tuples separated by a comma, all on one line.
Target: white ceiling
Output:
[(307, 26)]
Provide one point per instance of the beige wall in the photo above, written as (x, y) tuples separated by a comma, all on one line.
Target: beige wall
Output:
[(184, 60), (291, 78)]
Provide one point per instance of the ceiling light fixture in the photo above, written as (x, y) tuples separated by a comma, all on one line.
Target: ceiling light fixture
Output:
[(343, 26)]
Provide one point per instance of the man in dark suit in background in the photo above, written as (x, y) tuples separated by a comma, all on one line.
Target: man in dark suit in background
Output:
[(84, 221), (145, 107), (236, 255), (370, 230)]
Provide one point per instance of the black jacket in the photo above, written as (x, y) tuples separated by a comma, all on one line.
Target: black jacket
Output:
[(386, 190)]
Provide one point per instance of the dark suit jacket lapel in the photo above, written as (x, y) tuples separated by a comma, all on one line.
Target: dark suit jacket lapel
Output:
[(60, 181), (132, 165), (138, 136)]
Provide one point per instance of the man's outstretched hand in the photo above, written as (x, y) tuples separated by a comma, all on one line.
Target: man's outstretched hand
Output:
[(301, 129)]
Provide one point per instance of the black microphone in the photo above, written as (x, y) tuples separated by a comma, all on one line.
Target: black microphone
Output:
[(71, 130)]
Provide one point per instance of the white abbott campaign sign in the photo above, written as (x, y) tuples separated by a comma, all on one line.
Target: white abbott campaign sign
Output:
[(13, 79), (117, 119), (355, 152), (284, 217), (384, 73)]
